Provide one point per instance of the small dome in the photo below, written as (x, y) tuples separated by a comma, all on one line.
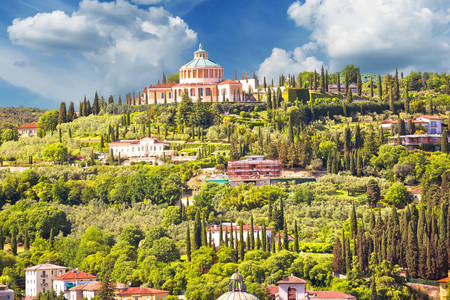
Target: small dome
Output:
[(238, 296), (237, 276)]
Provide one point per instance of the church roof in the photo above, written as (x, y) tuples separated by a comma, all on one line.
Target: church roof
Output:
[(292, 279), (200, 62)]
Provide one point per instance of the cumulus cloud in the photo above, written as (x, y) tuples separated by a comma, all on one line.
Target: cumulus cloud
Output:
[(378, 35), (285, 62), (107, 46)]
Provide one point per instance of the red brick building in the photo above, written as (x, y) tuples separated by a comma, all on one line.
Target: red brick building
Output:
[(254, 167)]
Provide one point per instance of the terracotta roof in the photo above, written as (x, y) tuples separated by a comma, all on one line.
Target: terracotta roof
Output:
[(44, 267), (389, 122), (444, 280), (95, 286), (431, 117), (75, 274), (135, 142), (329, 295), (272, 290), (29, 126), (207, 84), (292, 279), (162, 86), (141, 290), (229, 81)]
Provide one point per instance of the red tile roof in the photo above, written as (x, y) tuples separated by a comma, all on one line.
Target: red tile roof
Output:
[(162, 86), (329, 294), (272, 290), (229, 81), (444, 280), (141, 291), (431, 117), (95, 286), (75, 274), (33, 125), (292, 279)]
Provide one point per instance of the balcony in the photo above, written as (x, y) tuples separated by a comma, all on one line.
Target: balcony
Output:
[(44, 283), (44, 275)]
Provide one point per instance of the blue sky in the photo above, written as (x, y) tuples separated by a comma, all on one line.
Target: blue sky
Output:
[(61, 50)]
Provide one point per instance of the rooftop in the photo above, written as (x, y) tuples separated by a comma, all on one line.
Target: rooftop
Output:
[(141, 291), (292, 279), (200, 62), (44, 267), (29, 126), (75, 274)]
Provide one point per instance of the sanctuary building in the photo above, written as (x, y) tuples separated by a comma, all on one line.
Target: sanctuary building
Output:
[(200, 78)]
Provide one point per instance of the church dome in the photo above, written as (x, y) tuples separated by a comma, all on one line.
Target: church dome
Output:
[(237, 290), (201, 69)]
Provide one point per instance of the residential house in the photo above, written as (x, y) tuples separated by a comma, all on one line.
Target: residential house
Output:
[(443, 286), (90, 290), (28, 130), (141, 293), (39, 279), (146, 147), (63, 283), (294, 288), (255, 166), (426, 134), (6, 293)]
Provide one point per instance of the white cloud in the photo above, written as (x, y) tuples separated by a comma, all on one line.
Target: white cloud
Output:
[(112, 47), (378, 34), (289, 62)]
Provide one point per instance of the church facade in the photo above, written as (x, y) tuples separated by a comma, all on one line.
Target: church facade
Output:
[(200, 78)]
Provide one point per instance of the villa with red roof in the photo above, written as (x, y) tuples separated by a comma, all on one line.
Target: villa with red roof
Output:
[(200, 78), (90, 290), (294, 288), (68, 280), (27, 130), (426, 134), (141, 293)]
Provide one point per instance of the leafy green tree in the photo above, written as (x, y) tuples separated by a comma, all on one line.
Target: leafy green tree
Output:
[(397, 195), (132, 235), (373, 192), (444, 142), (351, 73), (56, 152), (165, 250), (48, 122)]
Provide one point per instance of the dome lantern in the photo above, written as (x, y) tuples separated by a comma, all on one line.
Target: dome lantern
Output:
[(237, 289)]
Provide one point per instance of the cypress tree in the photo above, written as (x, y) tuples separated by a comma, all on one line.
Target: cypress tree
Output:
[(204, 235), (231, 236), (241, 241), (188, 243), (252, 235), (380, 88), (62, 116), (197, 231), (444, 142), (322, 80), (258, 241), (347, 139), (14, 242), (346, 83), (412, 252), (248, 243), (315, 80), (353, 222), (220, 234), (264, 238), (349, 96), (296, 248), (339, 82), (358, 83), (71, 112), (391, 98), (280, 245), (2, 240), (373, 289), (406, 99), (226, 237), (371, 87), (338, 263), (95, 105), (272, 243), (286, 237)]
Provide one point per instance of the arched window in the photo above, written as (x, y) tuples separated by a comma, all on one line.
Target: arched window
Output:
[(292, 293), (208, 91)]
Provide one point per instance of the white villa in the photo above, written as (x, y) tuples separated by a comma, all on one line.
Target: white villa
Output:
[(146, 147), (39, 279)]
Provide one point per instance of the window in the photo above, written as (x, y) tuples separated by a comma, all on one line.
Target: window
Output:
[(200, 92), (170, 95)]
